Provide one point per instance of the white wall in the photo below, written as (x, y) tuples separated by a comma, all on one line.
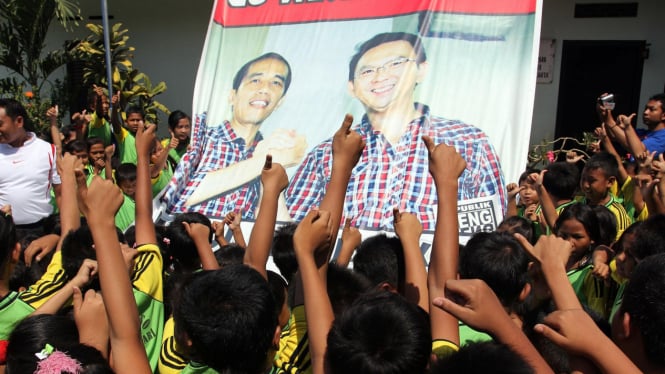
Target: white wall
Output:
[(558, 23)]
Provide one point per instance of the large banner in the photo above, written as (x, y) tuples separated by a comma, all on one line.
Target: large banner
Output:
[(277, 77)]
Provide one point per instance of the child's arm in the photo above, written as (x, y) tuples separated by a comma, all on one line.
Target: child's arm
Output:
[(232, 220), (311, 241), (200, 234), (160, 161), (445, 165), (351, 239), (408, 229), (116, 120), (87, 270), (575, 331), (549, 210), (100, 203), (218, 229), (513, 190), (479, 307), (145, 228), (609, 147), (39, 248), (52, 116), (109, 150), (273, 180)]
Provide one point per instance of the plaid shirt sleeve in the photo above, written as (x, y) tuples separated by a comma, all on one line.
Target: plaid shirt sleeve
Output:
[(310, 181)]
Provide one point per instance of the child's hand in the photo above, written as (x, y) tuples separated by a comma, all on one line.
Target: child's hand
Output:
[(645, 159), (101, 200), (81, 119), (90, 317), (474, 303), (273, 176), (87, 270), (39, 248), (407, 226), (218, 228), (445, 164), (624, 121), (571, 329), (115, 100), (232, 220), (68, 164), (530, 212), (128, 254), (347, 144), (600, 258), (573, 157), (52, 115), (197, 231), (99, 91), (658, 167), (145, 138), (109, 150), (173, 143), (536, 178), (513, 190), (549, 250), (314, 232), (350, 235)]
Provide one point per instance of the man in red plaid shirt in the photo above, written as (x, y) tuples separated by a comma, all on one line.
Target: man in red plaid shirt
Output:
[(393, 169)]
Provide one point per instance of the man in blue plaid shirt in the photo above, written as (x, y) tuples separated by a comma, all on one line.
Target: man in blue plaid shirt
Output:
[(393, 169), (258, 89)]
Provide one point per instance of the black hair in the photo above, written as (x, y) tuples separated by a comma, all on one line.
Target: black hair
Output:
[(229, 317), (481, 358), (380, 333), (525, 174), (182, 248), (23, 276), (561, 180), (125, 172), (585, 215), (76, 146), (605, 162), (175, 117), (383, 38), (94, 140), (14, 109), (8, 238), (607, 225), (277, 289), (644, 301), (381, 259), (242, 72), (499, 260), (33, 333), (132, 109), (283, 254), (659, 97), (344, 286), (650, 237), (230, 254), (629, 232), (517, 225)]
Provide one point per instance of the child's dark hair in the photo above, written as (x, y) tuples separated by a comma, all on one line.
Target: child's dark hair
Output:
[(483, 357), (125, 173), (380, 333), (644, 301), (175, 117), (283, 254), (517, 225), (651, 237), (605, 162), (230, 254), (181, 247), (22, 276), (561, 180), (499, 260), (526, 174), (607, 223), (229, 317), (381, 260), (585, 215), (132, 109), (93, 140), (33, 333), (8, 238), (344, 286), (76, 146)]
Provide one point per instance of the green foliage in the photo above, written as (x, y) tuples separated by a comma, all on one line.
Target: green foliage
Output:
[(135, 87), (24, 26)]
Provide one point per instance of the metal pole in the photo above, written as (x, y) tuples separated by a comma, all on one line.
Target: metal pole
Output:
[(107, 50)]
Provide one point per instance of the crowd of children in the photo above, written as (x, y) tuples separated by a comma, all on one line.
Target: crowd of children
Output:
[(573, 280)]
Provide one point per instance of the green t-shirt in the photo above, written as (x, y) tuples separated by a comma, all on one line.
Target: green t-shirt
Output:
[(12, 311), (100, 128), (469, 335), (127, 147), (161, 181), (196, 368), (126, 214)]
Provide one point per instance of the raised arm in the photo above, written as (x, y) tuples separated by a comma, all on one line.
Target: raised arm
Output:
[(145, 228), (351, 239), (446, 166), (274, 181), (408, 229), (549, 210)]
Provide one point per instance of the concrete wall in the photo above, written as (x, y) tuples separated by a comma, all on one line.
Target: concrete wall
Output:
[(558, 23)]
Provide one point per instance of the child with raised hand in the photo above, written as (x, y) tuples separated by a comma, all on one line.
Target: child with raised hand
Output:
[(180, 127), (351, 239), (125, 131), (232, 220), (99, 159), (408, 228)]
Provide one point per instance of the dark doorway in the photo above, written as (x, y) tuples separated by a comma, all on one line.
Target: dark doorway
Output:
[(589, 68)]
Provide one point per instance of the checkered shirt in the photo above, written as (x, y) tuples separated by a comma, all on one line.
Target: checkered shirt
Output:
[(397, 175)]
